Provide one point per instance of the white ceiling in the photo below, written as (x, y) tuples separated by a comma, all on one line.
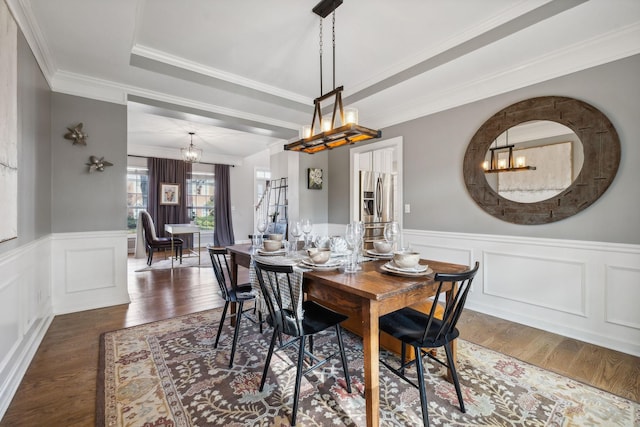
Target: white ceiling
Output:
[(243, 74)]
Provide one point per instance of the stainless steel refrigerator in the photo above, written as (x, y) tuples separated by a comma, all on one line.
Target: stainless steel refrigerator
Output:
[(376, 204)]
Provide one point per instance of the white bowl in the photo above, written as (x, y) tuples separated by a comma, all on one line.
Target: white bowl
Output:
[(318, 255), (382, 246), (275, 237), (406, 259), (272, 245)]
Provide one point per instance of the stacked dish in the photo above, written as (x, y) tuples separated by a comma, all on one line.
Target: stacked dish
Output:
[(272, 253), (332, 264), (417, 271), (381, 255)]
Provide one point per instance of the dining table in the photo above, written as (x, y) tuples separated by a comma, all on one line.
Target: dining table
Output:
[(366, 295)]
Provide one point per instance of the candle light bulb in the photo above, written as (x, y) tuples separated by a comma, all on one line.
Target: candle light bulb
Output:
[(350, 116), (502, 164), (520, 161), (485, 165), (326, 125)]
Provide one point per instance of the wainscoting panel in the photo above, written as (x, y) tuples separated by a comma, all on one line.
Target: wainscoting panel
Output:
[(25, 311), (584, 290), (89, 270), (623, 296), (532, 280)]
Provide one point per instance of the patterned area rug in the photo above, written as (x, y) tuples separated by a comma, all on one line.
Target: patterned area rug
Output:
[(167, 374)]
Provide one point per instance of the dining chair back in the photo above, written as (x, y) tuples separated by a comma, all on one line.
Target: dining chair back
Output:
[(153, 242), (231, 293), (426, 331), (281, 290)]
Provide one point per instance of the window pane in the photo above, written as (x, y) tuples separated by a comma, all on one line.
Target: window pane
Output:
[(200, 189)]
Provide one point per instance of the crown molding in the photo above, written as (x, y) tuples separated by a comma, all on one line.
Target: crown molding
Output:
[(176, 61), (23, 15), (109, 91), (589, 53), (174, 153)]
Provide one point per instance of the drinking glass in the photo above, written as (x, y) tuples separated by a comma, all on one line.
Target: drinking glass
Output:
[(306, 229), (295, 229), (352, 237), (261, 226), (392, 234)]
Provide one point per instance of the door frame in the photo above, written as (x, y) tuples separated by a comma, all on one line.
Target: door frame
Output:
[(354, 170)]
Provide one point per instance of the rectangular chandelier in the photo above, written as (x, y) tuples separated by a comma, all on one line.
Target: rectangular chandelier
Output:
[(329, 136)]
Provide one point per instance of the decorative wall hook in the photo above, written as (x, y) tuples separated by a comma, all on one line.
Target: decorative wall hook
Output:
[(76, 135), (97, 164)]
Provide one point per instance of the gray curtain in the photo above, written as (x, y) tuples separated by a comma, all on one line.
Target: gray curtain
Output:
[(171, 172), (223, 230)]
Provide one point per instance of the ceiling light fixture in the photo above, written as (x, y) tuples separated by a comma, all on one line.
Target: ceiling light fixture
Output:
[(498, 164), (324, 133), (191, 154)]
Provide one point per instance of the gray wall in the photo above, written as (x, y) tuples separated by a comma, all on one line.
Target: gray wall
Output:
[(434, 148), (314, 203), (86, 201), (34, 151)]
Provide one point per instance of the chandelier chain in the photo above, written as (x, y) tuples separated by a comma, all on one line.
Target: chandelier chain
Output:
[(333, 31), (321, 92)]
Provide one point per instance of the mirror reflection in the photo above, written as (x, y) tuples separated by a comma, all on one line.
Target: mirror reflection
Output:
[(533, 161)]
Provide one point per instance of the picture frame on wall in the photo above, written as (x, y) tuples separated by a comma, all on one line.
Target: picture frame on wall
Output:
[(169, 194), (314, 179)]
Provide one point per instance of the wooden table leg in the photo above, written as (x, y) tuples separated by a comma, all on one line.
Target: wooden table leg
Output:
[(370, 337)]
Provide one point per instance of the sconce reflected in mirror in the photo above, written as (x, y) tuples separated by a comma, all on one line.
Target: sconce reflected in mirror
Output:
[(594, 133)]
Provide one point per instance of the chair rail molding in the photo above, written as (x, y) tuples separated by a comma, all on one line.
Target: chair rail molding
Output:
[(580, 289)]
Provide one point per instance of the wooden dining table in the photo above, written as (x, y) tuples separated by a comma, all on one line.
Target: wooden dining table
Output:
[(366, 295)]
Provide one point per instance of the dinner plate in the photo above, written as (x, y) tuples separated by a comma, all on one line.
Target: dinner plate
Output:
[(374, 253), (405, 273), (340, 254), (417, 269), (272, 253), (329, 265)]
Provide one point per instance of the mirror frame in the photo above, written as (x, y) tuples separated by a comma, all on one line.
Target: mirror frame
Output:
[(600, 144)]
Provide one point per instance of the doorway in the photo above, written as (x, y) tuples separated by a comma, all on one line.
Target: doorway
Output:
[(385, 155)]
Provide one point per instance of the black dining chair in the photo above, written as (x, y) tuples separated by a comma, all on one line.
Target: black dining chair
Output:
[(232, 293), (427, 331), (153, 242), (282, 293)]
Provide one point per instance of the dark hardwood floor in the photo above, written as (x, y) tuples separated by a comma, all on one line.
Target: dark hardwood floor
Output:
[(59, 388)]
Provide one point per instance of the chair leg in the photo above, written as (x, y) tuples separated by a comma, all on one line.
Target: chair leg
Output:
[(403, 357), (422, 388), (268, 361), (260, 320), (150, 257), (454, 374), (236, 332), (296, 392), (224, 314), (343, 356)]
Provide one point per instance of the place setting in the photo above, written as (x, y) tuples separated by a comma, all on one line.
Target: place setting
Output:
[(406, 264), (382, 249)]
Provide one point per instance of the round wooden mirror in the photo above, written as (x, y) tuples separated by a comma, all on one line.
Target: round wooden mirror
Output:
[(601, 157)]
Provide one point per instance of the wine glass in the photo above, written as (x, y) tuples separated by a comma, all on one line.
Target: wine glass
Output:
[(295, 229), (306, 229), (392, 233), (261, 226), (352, 236)]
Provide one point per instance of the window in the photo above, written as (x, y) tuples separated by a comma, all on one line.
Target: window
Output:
[(200, 197), (137, 194)]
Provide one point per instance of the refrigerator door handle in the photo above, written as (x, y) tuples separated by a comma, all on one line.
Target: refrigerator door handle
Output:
[(379, 185)]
